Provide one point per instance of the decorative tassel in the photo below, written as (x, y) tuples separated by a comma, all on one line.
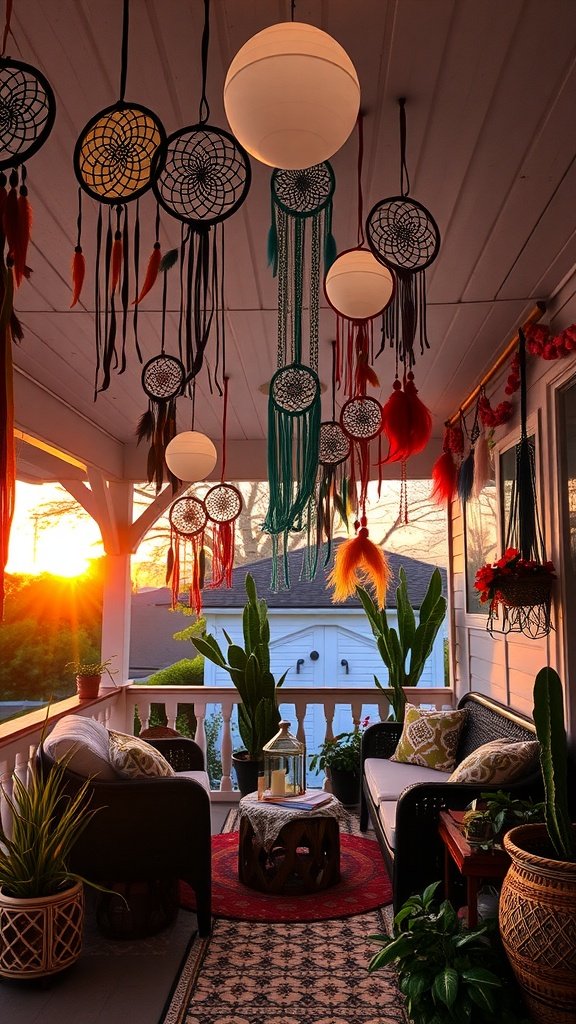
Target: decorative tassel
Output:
[(406, 422), (466, 477), (419, 418), (10, 215), (481, 465), (116, 262), (78, 272), (445, 478), (151, 273), (395, 423), (23, 234), (357, 561)]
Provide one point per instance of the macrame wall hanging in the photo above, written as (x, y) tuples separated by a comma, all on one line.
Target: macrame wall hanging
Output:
[(27, 112), (113, 162), (300, 235), (188, 521), (404, 236), (203, 177), (223, 504), (525, 597), (332, 489)]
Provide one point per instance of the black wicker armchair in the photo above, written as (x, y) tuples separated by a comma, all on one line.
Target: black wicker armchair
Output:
[(149, 829), (416, 858)]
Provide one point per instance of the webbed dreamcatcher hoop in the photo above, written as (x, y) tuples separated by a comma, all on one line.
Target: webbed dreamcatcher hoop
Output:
[(404, 236), (188, 521), (27, 112), (163, 381), (332, 493), (203, 177), (361, 421), (223, 504), (114, 165)]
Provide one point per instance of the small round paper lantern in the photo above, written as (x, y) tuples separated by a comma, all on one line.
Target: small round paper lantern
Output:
[(358, 286), (191, 456), (292, 95)]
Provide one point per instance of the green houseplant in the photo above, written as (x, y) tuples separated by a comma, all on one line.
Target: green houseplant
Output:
[(88, 676), (446, 972), (340, 758), (249, 670), (41, 900), (538, 901), (491, 814), (405, 651)]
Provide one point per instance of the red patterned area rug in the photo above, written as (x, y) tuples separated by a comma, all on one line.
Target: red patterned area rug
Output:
[(308, 973), (364, 886)]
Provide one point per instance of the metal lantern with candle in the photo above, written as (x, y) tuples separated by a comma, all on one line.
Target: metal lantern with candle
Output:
[(284, 764)]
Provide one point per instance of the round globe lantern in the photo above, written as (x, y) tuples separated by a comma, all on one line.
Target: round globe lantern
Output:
[(358, 286), (292, 95), (191, 455)]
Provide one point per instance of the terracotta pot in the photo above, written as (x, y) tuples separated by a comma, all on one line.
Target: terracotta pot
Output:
[(538, 924), (87, 687), (40, 936)]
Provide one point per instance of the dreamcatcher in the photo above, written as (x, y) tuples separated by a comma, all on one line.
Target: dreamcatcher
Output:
[(300, 233), (332, 494), (163, 383), (525, 597), (113, 162), (403, 235), (223, 504), (188, 521), (27, 112), (203, 178)]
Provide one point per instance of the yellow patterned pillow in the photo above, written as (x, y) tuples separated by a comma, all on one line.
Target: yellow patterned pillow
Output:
[(498, 761), (429, 738), (135, 758)]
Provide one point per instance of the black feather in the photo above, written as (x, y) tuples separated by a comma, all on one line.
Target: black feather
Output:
[(145, 428), (466, 477), (168, 260), (169, 564), (16, 328)]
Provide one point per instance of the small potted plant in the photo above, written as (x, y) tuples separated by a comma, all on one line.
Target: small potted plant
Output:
[(514, 582), (88, 676), (41, 900), (491, 815), (340, 758)]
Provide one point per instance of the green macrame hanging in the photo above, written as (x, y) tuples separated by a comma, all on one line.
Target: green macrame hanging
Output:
[(301, 218)]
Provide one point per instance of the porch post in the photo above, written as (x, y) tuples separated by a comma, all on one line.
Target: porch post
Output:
[(116, 616)]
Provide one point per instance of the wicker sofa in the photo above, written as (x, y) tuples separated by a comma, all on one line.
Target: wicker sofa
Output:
[(146, 829), (406, 820)]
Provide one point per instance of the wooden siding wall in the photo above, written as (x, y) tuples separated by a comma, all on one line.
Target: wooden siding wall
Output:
[(505, 667)]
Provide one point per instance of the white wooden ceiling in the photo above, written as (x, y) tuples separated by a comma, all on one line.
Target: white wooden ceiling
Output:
[(491, 96)]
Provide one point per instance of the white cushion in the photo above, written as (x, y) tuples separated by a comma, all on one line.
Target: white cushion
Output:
[(387, 815), (201, 777), (388, 779), (83, 744)]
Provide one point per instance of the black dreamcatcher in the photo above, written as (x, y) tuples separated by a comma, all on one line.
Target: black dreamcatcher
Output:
[(163, 382), (203, 177), (188, 521), (404, 236), (114, 164), (361, 421)]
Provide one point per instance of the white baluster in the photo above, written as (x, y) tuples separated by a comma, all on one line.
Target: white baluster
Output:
[(21, 767), (200, 737), (356, 709), (301, 706), (171, 708), (226, 747), (6, 791), (384, 710), (329, 709)]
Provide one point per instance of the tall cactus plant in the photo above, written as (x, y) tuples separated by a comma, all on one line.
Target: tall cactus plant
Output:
[(549, 721), (405, 651), (249, 670)]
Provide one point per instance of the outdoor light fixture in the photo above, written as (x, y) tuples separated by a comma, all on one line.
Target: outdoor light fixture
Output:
[(292, 95), (284, 764), (357, 286), (191, 456)]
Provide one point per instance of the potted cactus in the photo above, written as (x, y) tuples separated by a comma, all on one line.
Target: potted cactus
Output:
[(406, 650), (249, 670), (538, 902)]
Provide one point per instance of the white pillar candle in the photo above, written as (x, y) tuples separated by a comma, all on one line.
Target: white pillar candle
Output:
[(278, 782)]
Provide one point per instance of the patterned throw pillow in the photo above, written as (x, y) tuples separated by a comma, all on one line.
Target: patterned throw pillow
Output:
[(498, 761), (136, 759), (429, 738)]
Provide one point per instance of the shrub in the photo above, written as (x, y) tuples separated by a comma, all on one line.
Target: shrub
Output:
[(187, 672)]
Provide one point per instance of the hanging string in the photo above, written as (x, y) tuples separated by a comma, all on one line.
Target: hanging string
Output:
[(204, 109), (361, 238), (292, 9), (137, 279), (224, 430), (7, 28), (124, 58), (334, 380), (404, 177), (164, 296)]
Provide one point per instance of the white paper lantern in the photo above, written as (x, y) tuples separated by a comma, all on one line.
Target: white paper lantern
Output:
[(191, 455), (357, 286), (292, 95)]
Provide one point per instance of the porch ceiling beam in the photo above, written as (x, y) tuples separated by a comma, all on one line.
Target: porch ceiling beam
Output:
[(146, 520)]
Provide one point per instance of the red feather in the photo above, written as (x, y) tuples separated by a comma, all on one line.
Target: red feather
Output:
[(78, 271), (115, 264), (419, 418), (395, 423), (445, 477), (359, 560), (24, 216), (151, 273)]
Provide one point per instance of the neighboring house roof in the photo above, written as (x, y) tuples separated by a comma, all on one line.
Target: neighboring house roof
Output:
[(304, 593)]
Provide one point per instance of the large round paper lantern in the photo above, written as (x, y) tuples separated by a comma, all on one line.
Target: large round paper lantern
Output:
[(358, 286), (191, 456), (292, 95)]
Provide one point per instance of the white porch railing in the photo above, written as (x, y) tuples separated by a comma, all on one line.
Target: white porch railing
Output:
[(116, 709)]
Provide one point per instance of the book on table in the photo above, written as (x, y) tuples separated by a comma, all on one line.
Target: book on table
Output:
[(307, 801)]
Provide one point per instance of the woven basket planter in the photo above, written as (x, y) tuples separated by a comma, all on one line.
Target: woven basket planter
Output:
[(538, 925), (40, 936), (523, 591)]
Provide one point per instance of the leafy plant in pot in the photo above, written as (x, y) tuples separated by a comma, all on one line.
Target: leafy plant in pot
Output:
[(41, 900), (89, 675), (340, 759), (405, 651), (249, 670), (538, 900)]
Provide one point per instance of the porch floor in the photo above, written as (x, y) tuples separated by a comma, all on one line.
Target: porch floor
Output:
[(113, 982)]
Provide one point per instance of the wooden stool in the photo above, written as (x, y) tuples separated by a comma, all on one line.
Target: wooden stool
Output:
[(305, 857)]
